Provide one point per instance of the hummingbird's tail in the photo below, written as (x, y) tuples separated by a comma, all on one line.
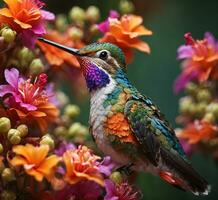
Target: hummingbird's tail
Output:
[(179, 173)]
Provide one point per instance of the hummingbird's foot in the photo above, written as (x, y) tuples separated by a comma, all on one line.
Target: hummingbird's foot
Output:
[(126, 169)]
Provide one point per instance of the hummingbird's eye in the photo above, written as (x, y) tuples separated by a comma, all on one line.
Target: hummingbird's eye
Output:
[(103, 55)]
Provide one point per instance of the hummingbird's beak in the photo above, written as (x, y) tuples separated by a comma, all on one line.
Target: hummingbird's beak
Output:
[(65, 48)]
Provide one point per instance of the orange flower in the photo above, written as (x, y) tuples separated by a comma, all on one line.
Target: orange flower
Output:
[(35, 161), (25, 17), (81, 164), (27, 101), (198, 131), (201, 57), (55, 56), (125, 32)]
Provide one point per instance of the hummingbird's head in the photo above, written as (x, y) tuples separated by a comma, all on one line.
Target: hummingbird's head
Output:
[(99, 62)]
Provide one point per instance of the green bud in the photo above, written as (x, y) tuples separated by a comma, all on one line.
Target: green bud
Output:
[(25, 56), (193, 109), (8, 195), (204, 95), (92, 14), (72, 110), (23, 130), (75, 33), (191, 88), (77, 14), (126, 6), (1, 148), (61, 22), (60, 131), (36, 67), (5, 124), (213, 108), (74, 129), (47, 140), (184, 104), (116, 177), (201, 108), (8, 175), (14, 136), (93, 29), (8, 34), (209, 117), (15, 139)]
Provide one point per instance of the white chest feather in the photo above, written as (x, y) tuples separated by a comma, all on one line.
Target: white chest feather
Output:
[(97, 118), (97, 110)]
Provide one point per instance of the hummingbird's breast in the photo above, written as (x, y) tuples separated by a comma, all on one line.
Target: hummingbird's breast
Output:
[(107, 121)]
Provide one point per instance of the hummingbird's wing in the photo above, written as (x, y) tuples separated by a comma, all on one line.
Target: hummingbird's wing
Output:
[(160, 145), (150, 128)]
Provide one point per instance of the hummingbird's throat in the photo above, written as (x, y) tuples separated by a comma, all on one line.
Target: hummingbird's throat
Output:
[(95, 77)]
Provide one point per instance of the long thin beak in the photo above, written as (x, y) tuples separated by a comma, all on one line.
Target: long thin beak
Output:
[(65, 48)]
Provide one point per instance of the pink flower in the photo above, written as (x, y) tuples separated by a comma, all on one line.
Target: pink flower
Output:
[(121, 191), (104, 26), (28, 100), (63, 147), (106, 166)]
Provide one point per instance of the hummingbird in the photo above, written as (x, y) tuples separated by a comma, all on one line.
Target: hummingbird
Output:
[(127, 125)]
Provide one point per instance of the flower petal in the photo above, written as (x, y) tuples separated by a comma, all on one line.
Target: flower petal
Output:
[(12, 77)]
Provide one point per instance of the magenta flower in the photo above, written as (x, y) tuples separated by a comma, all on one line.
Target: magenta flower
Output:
[(63, 147), (28, 100), (104, 26), (121, 191), (106, 166)]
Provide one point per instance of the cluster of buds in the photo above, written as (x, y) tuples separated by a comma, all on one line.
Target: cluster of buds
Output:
[(199, 107)]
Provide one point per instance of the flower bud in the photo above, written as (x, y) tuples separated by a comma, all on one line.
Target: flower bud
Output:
[(126, 6), (8, 34), (184, 104), (14, 136), (1, 148), (74, 129), (23, 130), (209, 117), (213, 108), (75, 33), (60, 131), (36, 67), (92, 14), (8, 175), (61, 22), (25, 56), (72, 111), (191, 88), (47, 140), (5, 124), (94, 29), (201, 108), (8, 195), (77, 14), (116, 177), (204, 95)]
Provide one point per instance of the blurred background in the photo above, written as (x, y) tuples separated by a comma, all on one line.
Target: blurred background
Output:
[(154, 74)]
